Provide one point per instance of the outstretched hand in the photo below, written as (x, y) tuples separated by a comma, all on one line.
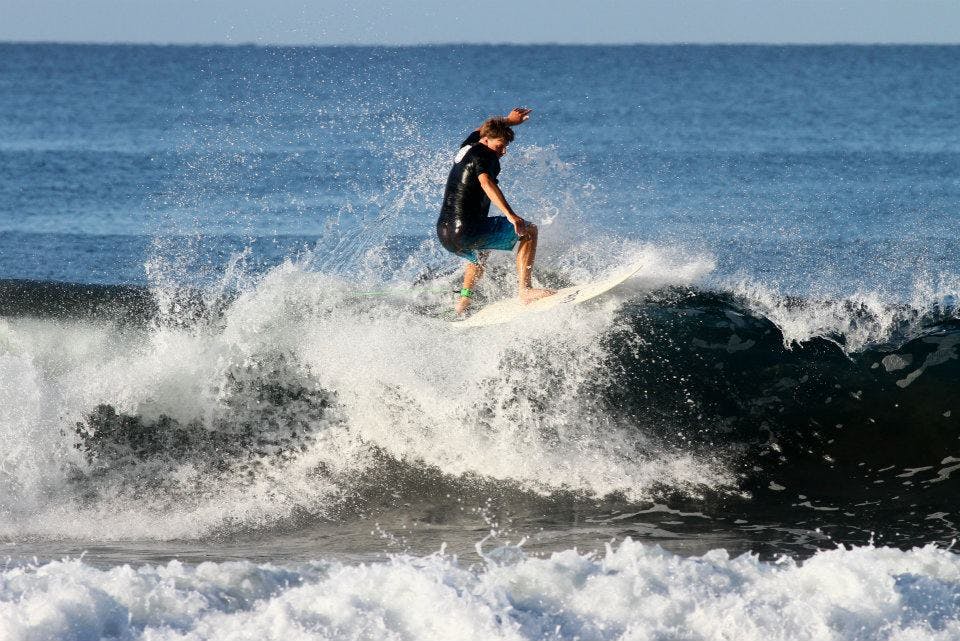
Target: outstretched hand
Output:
[(518, 115)]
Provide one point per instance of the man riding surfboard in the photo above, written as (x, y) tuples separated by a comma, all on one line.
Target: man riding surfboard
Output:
[(465, 228)]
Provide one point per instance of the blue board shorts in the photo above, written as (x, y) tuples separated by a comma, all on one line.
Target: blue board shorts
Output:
[(495, 232)]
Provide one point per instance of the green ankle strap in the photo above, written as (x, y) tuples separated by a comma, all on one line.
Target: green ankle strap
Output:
[(466, 292)]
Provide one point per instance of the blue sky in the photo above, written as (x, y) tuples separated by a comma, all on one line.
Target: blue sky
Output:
[(442, 21)]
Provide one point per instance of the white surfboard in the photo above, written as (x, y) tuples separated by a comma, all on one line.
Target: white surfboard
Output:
[(510, 309)]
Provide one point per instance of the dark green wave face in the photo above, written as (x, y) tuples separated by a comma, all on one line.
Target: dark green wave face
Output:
[(858, 444)]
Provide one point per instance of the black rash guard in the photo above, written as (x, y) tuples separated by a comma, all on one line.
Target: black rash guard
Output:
[(465, 205)]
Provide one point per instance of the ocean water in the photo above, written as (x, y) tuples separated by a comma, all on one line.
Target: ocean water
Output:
[(232, 405)]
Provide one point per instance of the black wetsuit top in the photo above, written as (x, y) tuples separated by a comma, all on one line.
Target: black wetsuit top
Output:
[(465, 205)]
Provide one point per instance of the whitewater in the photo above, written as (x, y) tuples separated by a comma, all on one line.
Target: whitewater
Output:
[(628, 591), (301, 374)]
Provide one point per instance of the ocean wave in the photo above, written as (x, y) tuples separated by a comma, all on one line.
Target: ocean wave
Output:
[(630, 591), (285, 399)]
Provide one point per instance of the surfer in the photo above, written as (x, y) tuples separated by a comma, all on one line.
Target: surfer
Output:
[(465, 226)]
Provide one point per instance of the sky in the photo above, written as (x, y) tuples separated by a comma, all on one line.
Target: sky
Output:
[(335, 22)]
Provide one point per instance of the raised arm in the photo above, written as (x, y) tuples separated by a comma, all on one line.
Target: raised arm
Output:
[(517, 116)]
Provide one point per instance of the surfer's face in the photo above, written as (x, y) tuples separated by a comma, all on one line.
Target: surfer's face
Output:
[(496, 145)]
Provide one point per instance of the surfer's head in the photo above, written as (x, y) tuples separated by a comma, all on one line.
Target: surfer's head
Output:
[(496, 134)]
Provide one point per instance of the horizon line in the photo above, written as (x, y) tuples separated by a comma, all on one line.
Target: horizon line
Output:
[(358, 45)]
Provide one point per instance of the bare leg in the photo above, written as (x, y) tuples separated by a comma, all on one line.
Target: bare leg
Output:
[(526, 253), (472, 275)]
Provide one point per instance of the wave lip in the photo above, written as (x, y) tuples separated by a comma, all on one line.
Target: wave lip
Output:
[(854, 322), (631, 591)]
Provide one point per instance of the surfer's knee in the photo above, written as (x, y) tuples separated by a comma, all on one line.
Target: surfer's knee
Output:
[(529, 234)]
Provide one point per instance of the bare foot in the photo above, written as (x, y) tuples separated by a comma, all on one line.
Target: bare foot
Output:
[(462, 305), (530, 294)]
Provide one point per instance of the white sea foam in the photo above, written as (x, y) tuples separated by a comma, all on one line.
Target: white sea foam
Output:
[(631, 591), (500, 403), (854, 321), (857, 320)]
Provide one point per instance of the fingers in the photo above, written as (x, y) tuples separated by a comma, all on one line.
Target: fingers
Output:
[(521, 228), (519, 114)]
